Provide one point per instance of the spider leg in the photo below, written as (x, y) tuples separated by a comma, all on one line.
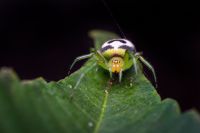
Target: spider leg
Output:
[(78, 59), (145, 62), (98, 53), (80, 78), (120, 76), (110, 71), (135, 63), (101, 59), (103, 62)]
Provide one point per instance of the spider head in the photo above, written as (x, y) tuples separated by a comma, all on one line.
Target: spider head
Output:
[(116, 64)]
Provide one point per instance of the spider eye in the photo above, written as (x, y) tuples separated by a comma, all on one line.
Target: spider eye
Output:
[(115, 61)]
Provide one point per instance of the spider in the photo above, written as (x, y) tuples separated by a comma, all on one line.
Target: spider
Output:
[(116, 56)]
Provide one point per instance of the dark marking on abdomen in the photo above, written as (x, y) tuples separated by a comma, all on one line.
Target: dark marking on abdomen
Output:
[(106, 48), (127, 48), (122, 41)]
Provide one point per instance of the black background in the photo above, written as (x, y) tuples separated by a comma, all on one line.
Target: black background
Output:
[(41, 38)]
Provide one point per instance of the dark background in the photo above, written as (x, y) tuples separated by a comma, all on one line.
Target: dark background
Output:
[(41, 38)]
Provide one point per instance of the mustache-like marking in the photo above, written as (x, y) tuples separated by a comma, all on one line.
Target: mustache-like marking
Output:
[(106, 48)]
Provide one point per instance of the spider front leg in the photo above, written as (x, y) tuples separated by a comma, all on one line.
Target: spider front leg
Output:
[(99, 58), (80, 78), (148, 65), (79, 59), (120, 76), (102, 61), (131, 59)]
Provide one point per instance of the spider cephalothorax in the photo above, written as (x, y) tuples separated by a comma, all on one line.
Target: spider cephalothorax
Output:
[(116, 56)]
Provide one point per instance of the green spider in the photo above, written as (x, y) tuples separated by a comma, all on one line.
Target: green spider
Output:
[(116, 56)]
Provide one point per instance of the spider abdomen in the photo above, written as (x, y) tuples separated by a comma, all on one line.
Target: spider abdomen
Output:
[(116, 47)]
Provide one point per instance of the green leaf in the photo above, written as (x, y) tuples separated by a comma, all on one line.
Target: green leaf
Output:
[(131, 106)]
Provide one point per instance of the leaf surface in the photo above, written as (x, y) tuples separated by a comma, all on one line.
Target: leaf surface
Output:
[(97, 106)]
